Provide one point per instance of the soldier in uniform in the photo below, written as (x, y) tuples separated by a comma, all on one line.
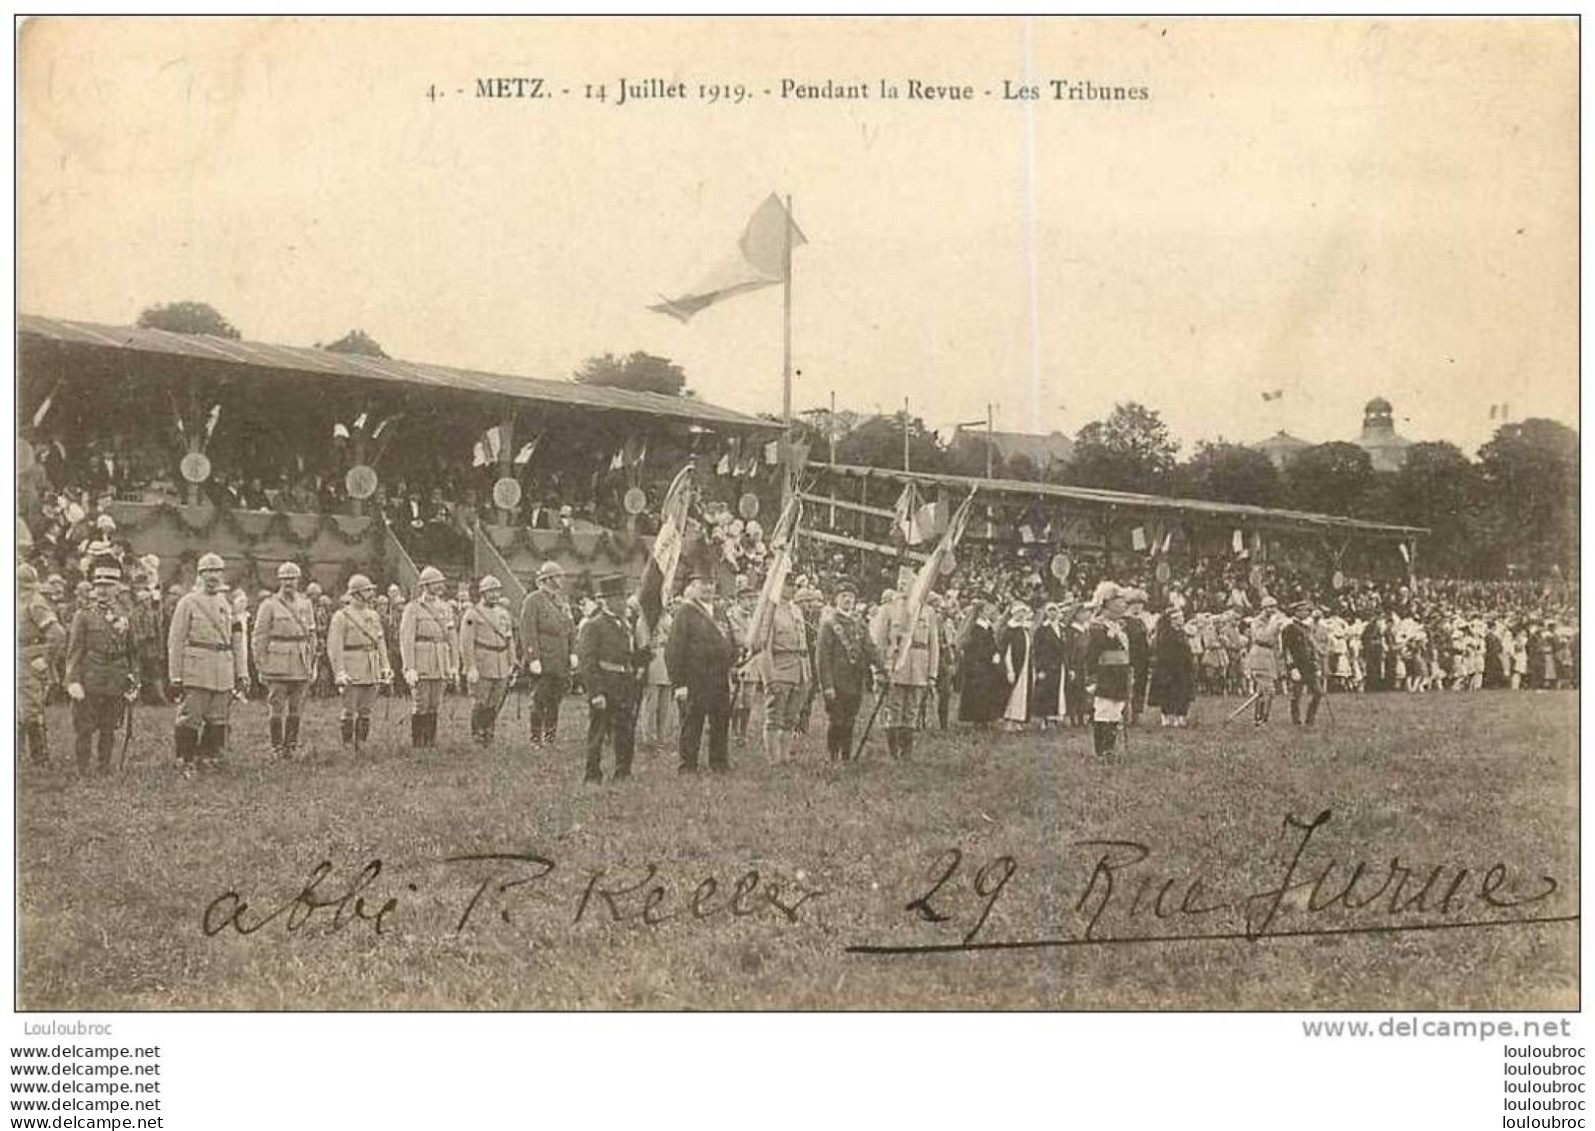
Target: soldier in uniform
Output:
[(1301, 658), (357, 653), (698, 656), (42, 641), (608, 663), (1134, 624), (782, 657), (208, 662), (426, 647), (488, 653), (548, 634), (100, 668), (285, 647), (844, 659), (911, 664), (1107, 663)]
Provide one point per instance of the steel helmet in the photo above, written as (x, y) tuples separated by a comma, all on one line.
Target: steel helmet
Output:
[(360, 583), (431, 575), (549, 569), (211, 562), (288, 571), (490, 584), (27, 575)]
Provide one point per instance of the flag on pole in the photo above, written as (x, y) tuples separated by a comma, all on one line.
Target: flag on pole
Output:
[(490, 561), (780, 565), (1138, 538), (925, 579), (659, 575), (1238, 541), (758, 262), (44, 408), (488, 447), (524, 456)]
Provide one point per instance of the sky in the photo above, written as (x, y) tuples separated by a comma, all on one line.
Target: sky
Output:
[(1334, 209)]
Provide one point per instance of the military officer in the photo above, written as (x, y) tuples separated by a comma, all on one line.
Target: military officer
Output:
[(426, 647), (548, 633), (42, 642), (1107, 662), (100, 667), (911, 665), (607, 662), (488, 653), (357, 652), (782, 658), (284, 645), (844, 659), (208, 661)]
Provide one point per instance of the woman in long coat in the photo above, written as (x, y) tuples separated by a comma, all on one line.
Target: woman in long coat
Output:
[(1076, 700), (1015, 648), (983, 691), (1173, 669), (1046, 692)]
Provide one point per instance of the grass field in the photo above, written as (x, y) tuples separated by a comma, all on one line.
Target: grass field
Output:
[(117, 874)]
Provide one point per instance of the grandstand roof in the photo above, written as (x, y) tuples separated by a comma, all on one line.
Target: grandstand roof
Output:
[(301, 360), (1239, 512)]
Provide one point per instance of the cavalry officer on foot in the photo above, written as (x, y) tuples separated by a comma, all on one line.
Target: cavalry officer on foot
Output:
[(912, 656), (1301, 658), (358, 654), (1108, 672), (100, 668), (208, 662), (548, 636), (41, 641), (426, 647), (608, 665), (487, 649), (284, 645)]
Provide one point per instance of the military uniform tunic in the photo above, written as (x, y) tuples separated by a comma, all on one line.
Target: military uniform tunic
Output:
[(426, 646), (357, 651), (101, 659), (284, 644), (487, 648), (548, 635), (41, 641), (205, 653), (912, 664)]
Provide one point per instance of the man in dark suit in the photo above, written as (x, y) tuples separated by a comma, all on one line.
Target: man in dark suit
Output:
[(698, 657), (1302, 662), (608, 666), (844, 658)]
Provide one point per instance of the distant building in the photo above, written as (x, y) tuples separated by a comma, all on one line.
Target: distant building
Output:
[(1281, 447), (1042, 451), (1386, 448)]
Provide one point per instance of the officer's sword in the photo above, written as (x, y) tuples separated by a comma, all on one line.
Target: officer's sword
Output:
[(131, 695)]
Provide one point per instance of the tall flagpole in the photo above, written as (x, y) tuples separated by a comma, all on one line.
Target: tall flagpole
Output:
[(787, 486)]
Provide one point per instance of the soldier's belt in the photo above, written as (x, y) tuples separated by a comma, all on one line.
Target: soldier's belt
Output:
[(486, 647), (918, 647), (210, 647), (1120, 658), (436, 641), (606, 666), (789, 651), (359, 647), (286, 639)]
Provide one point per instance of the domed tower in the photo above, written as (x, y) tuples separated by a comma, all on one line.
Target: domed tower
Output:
[(1384, 445)]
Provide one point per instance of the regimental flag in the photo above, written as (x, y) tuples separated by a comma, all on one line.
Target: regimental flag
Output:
[(659, 575), (759, 261), (903, 511), (724, 466), (487, 449), (529, 449), (780, 565), (404, 570), (490, 561), (925, 579)]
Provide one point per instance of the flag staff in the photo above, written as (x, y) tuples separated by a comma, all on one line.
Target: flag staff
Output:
[(787, 485)]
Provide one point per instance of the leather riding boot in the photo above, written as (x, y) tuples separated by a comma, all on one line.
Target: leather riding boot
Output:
[(346, 730), (275, 726), (417, 731), (290, 734)]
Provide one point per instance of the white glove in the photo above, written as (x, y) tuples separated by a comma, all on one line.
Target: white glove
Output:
[(39, 665), (341, 679), (472, 675), (574, 663), (681, 695), (411, 676), (598, 701), (75, 690), (535, 667)]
